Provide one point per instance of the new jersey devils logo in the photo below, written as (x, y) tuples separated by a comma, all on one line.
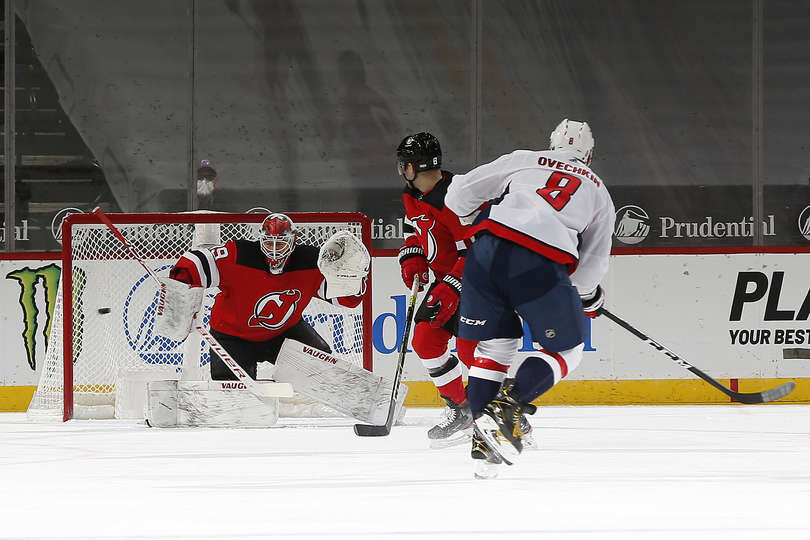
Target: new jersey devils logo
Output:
[(274, 309), (426, 225)]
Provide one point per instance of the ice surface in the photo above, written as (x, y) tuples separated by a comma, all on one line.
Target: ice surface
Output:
[(601, 473)]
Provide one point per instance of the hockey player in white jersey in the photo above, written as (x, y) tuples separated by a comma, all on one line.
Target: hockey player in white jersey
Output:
[(541, 249)]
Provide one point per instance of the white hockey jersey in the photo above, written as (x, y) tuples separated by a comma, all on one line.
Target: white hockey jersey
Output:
[(549, 202)]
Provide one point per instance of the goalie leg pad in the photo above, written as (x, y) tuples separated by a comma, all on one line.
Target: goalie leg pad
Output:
[(212, 404), (341, 385)]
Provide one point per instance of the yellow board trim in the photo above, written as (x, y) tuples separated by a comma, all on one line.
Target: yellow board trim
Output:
[(637, 392), (15, 398)]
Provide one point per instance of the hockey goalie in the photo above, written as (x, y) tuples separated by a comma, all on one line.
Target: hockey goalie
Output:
[(257, 317)]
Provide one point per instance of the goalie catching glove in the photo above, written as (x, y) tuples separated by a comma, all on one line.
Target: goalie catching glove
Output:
[(177, 305), (593, 302), (344, 262)]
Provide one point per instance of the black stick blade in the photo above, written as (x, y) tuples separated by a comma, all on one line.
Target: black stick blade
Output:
[(367, 430), (768, 395)]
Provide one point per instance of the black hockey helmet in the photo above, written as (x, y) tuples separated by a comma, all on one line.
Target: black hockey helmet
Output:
[(420, 149)]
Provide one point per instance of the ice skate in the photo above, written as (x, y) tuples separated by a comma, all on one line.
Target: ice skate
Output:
[(500, 424), (486, 461), (454, 429), (528, 434), (528, 437)]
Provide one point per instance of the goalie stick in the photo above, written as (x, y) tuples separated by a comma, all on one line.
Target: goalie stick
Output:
[(252, 386), (368, 430), (749, 398)]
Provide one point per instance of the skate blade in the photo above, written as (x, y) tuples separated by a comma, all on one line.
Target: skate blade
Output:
[(463, 438), (529, 443), (485, 470), (504, 450)]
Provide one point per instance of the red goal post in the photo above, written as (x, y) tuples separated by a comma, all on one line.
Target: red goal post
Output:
[(108, 338)]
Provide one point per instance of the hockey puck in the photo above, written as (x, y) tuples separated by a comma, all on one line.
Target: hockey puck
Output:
[(104, 310)]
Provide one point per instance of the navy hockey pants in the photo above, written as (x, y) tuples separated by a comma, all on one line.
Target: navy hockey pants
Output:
[(504, 281)]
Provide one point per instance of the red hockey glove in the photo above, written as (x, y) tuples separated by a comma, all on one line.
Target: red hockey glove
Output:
[(413, 262), (592, 302), (444, 296)]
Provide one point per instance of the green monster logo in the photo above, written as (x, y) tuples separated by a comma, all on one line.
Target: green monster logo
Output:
[(28, 279)]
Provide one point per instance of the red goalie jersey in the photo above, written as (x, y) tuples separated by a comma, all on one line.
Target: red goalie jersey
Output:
[(255, 304)]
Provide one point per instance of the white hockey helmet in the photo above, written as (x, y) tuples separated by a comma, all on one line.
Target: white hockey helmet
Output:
[(574, 137)]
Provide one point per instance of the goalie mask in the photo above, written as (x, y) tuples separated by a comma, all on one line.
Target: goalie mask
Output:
[(422, 150), (277, 241), (574, 137)]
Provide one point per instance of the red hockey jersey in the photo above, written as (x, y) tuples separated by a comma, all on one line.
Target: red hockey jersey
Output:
[(430, 225), (254, 304)]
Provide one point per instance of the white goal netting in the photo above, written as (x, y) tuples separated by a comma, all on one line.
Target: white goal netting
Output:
[(102, 343)]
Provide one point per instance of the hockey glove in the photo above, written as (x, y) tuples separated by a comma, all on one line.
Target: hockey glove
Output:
[(413, 262), (177, 306), (592, 302), (445, 297)]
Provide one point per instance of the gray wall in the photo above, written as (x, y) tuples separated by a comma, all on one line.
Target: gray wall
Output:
[(300, 104)]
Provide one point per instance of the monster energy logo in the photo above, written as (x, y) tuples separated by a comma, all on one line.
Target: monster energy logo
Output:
[(28, 279)]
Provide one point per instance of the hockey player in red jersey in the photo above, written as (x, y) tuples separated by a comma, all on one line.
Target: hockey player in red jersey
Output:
[(266, 285), (430, 244)]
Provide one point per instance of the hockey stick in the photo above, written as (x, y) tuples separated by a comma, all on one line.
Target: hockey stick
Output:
[(368, 430), (278, 389), (236, 369), (773, 394)]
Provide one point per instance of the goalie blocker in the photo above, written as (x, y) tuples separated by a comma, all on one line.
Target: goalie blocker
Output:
[(341, 385)]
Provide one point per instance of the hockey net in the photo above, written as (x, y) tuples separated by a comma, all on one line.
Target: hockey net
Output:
[(102, 346)]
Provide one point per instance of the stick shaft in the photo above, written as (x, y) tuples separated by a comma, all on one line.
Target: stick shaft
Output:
[(403, 348), (366, 430), (671, 355), (229, 361), (743, 397), (117, 233)]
